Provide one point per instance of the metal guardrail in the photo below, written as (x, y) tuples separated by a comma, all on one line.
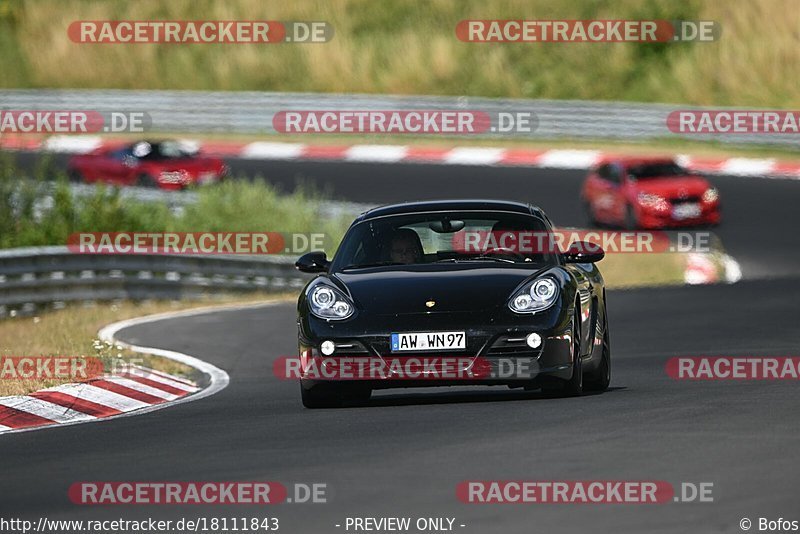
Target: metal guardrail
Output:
[(32, 278), (252, 112)]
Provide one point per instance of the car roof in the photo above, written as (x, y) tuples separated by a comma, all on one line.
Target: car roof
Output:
[(630, 161), (451, 205)]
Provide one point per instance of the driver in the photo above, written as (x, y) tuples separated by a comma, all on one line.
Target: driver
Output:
[(405, 247)]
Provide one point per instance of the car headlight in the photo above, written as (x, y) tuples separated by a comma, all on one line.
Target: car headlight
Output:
[(535, 296), (652, 201), (711, 195), (327, 302)]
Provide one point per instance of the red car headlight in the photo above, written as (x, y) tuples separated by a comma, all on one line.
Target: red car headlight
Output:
[(711, 195), (656, 202)]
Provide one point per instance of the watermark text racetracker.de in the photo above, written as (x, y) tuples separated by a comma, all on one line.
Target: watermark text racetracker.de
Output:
[(54, 121), (74, 368), (196, 243), (198, 31), (701, 368), (728, 121), (390, 367), (582, 492), (262, 492), (579, 240), (406, 121), (587, 31)]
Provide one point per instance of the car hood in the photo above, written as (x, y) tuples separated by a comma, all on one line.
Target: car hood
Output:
[(460, 288), (673, 187)]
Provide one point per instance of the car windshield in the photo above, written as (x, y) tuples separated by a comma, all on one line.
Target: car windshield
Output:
[(502, 238), (656, 170), (159, 151)]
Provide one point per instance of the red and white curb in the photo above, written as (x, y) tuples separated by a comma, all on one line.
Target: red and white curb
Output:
[(489, 156), (138, 388), (137, 392)]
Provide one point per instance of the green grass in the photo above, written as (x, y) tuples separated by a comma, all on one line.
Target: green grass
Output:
[(410, 47)]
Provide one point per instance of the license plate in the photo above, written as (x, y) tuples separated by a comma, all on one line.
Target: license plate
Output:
[(421, 341), (685, 211)]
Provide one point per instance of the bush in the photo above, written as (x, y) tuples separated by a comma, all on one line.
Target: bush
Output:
[(35, 212)]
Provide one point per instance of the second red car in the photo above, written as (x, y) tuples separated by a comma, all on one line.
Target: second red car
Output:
[(648, 193), (163, 164)]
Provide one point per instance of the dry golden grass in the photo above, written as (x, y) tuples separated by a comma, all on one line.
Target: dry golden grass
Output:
[(640, 270), (406, 47), (72, 332)]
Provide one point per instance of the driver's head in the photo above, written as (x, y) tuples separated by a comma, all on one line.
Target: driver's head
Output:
[(405, 247), (507, 234)]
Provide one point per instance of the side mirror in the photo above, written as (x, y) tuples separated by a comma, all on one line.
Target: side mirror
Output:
[(313, 262), (584, 252)]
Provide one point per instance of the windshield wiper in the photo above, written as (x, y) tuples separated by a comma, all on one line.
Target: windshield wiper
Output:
[(375, 264), (491, 258), (473, 258)]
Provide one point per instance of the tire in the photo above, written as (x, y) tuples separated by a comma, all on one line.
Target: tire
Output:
[(590, 218), (334, 396), (320, 397), (600, 380), (145, 180), (358, 396), (574, 386), (75, 176), (630, 219)]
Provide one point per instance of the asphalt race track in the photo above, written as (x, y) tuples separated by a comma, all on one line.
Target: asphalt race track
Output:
[(404, 454)]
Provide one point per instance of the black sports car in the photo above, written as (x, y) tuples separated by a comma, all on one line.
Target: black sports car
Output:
[(450, 293)]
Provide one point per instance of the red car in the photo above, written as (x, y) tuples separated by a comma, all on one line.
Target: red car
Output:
[(648, 193), (164, 164)]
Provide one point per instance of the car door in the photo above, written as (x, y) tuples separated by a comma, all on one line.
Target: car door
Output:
[(109, 167)]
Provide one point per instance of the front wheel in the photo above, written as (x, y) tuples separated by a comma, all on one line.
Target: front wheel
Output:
[(320, 397), (600, 380), (591, 220), (574, 386), (145, 180), (75, 176), (630, 219)]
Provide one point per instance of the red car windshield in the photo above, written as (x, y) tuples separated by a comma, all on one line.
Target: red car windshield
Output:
[(656, 170), (159, 151)]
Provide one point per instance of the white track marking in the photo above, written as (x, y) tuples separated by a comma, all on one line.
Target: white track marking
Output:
[(45, 409), (733, 271), (100, 396), (72, 144), (747, 167), (569, 159), (155, 377), (152, 372), (474, 156), (143, 388), (265, 150), (378, 153)]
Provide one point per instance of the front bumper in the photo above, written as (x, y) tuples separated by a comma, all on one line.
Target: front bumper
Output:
[(496, 353), (649, 218)]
